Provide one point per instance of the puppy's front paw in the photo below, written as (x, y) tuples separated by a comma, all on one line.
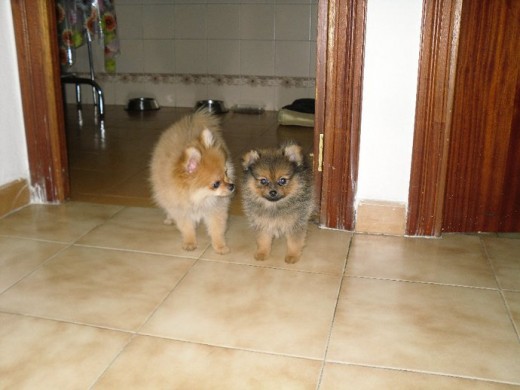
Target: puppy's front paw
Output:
[(168, 221), (189, 246), (261, 256), (291, 259), (221, 249)]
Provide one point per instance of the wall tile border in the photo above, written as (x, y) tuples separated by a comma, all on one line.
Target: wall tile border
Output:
[(206, 79)]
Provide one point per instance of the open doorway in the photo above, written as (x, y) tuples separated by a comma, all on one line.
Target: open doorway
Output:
[(340, 39)]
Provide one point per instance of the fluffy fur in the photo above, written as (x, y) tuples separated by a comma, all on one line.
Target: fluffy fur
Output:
[(192, 178), (278, 197)]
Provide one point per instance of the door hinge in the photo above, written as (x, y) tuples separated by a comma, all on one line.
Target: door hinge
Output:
[(320, 154)]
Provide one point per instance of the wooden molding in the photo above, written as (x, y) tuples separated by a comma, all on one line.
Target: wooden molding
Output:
[(381, 217), (437, 66), (37, 47), (338, 117)]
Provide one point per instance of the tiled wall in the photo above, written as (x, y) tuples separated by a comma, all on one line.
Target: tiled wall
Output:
[(240, 51)]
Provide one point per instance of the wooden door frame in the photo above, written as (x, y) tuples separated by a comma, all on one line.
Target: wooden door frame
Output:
[(37, 52), (435, 95), (340, 52), (339, 80)]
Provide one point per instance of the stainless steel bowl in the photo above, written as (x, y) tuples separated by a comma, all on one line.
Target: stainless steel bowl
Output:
[(213, 106), (142, 104)]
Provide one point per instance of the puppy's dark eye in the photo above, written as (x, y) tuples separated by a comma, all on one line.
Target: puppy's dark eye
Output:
[(264, 181), (216, 185), (282, 181)]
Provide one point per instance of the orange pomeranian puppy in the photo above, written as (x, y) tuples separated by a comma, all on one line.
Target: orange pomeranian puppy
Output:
[(278, 197), (192, 178)]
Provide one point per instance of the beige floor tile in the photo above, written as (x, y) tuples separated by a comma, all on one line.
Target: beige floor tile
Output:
[(20, 257), (142, 229), (152, 363), (43, 354), (431, 328), (65, 222), (513, 302), (325, 250), (505, 256), (255, 308), (335, 376), (454, 259), (108, 288)]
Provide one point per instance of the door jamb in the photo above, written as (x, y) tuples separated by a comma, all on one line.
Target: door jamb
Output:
[(339, 79), (39, 72), (435, 94)]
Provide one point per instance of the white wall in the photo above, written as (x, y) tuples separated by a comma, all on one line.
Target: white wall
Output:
[(240, 51), (13, 152), (389, 95)]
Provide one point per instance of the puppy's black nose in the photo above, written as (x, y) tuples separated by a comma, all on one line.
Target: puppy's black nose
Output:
[(273, 193), (231, 187)]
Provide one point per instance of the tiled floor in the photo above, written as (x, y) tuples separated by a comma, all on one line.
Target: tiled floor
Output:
[(111, 166), (102, 296)]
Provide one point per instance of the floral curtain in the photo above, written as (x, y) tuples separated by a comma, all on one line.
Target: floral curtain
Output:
[(97, 18)]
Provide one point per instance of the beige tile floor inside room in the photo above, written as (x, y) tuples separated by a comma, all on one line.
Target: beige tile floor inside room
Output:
[(97, 292)]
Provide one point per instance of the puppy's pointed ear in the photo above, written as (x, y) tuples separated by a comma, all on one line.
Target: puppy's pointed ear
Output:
[(207, 138), (192, 159), (249, 159), (294, 153)]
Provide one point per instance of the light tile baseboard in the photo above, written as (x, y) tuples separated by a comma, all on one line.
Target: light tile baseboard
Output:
[(381, 217), (14, 195)]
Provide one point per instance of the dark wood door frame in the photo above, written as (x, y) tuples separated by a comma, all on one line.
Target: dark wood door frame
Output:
[(37, 52), (435, 92), (339, 77), (339, 69)]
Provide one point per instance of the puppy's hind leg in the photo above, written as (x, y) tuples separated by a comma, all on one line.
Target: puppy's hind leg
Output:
[(263, 242), (295, 243)]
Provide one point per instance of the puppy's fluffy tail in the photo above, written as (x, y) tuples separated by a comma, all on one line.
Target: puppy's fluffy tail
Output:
[(203, 119)]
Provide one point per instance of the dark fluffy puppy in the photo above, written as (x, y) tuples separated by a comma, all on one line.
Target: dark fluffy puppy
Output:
[(278, 197)]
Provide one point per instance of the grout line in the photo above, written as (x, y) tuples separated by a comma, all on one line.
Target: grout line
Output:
[(424, 372), (167, 295), (422, 282), (116, 356), (180, 256), (500, 289), (38, 267), (327, 345)]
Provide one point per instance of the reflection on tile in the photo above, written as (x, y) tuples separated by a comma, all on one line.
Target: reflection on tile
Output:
[(336, 375), (451, 260), (112, 167), (108, 288), (425, 327), (142, 229), (241, 240), (43, 354), (198, 366), (248, 307), (505, 254), (22, 256), (66, 222)]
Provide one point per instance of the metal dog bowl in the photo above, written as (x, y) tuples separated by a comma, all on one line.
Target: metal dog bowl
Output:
[(213, 106), (142, 104)]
